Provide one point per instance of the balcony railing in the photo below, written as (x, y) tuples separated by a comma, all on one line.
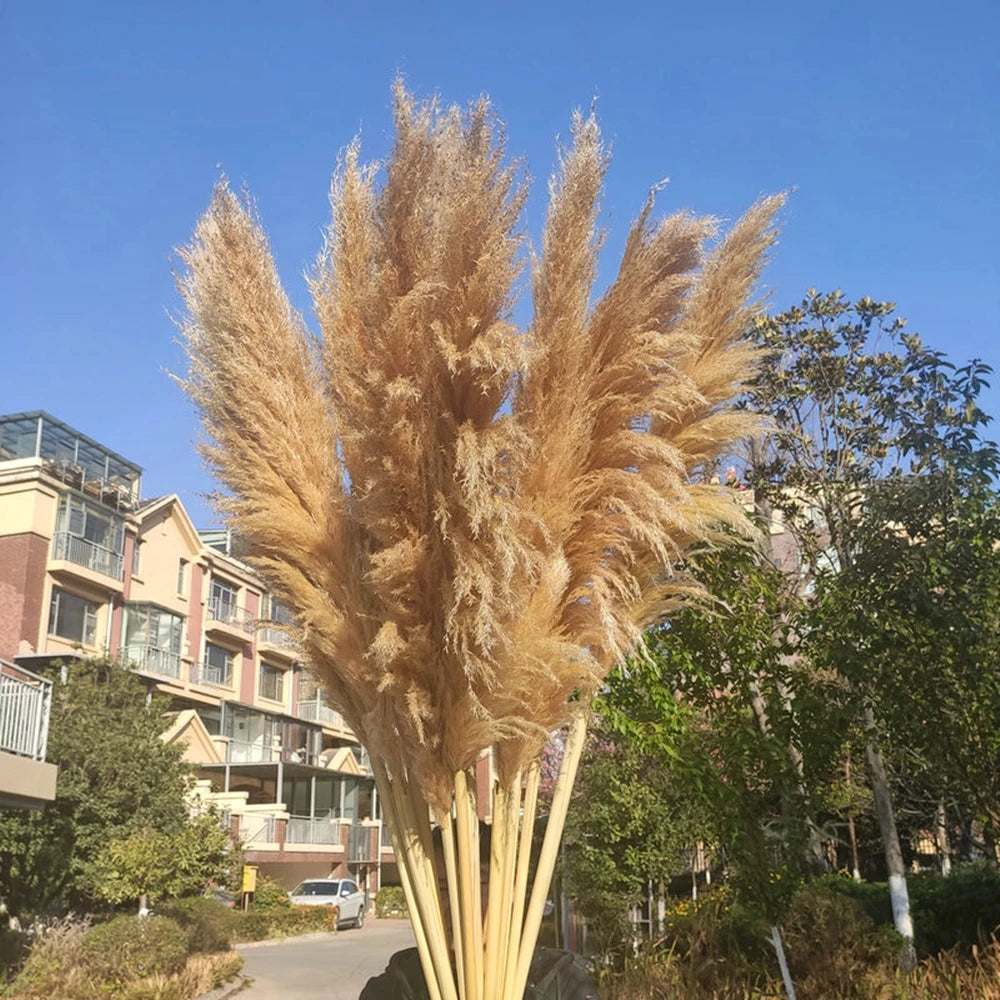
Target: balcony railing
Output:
[(275, 636), (86, 553), (386, 837), (257, 829), (228, 613), (155, 660), (240, 752), (310, 830), (315, 710), (212, 675), (25, 700), (359, 843)]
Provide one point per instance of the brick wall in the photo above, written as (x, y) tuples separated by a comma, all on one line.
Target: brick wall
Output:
[(22, 582)]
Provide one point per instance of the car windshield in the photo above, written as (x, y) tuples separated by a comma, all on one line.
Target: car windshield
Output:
[(316, 889)]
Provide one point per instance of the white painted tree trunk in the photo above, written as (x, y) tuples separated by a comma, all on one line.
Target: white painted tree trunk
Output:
[(898, 895), (786, 976)]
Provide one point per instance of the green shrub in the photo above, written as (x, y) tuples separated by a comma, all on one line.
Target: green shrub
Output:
[(54, 966), (260, 925), (833, 945), (269, 894), (13, 952), (209, 924), (954, 911), (129, 948), (390, 901), (958, 911)]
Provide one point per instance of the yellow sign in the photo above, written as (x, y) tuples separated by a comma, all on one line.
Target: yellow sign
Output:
[(249, 878)]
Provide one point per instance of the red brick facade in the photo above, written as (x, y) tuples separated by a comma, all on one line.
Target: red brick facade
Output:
[(22, 584)]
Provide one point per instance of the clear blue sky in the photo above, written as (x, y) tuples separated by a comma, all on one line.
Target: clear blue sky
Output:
[(116, 116)]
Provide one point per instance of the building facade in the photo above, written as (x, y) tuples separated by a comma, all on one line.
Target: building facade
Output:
[(90, 568)]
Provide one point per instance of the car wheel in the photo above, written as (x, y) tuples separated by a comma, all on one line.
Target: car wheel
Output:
[(360, 922)]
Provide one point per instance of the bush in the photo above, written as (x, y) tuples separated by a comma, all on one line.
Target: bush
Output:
[(54, 967), (129, 948), (209, 924), (269, 894), (260, 925), (959, 910), (13, 952), (390, 901), (833, 946)]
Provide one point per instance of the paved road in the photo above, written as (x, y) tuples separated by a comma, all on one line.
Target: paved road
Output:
[(334, 967)]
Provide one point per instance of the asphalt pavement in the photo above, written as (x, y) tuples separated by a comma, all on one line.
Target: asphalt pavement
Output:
[(331, 967)]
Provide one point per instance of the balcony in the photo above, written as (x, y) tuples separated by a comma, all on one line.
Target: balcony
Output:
[(77, 460), (316, 710), (25, 699), (88, 554), (26, 780), (154, 660), (279, 640), (241, 752), (212, 675), (314, 830), (257, 830), (226, 613)]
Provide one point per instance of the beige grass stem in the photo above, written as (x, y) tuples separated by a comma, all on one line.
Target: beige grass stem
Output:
[(550, 849), (520, 883)]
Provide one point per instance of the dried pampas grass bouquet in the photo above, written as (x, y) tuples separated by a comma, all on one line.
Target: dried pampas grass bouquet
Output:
[(472, 522)]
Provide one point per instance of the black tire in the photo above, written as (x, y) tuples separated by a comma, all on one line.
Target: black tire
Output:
[(360, 922)]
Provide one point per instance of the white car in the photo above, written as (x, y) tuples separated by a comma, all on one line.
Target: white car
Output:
[(339, 892)]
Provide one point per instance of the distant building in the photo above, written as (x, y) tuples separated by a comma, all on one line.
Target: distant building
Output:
[(89, 568)]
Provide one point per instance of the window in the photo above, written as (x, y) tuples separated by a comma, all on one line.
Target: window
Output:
[(222, 600), (279, 613), (72, 617), (218, 667), (271, 682), (94, 524), (181, 576), (136, 546)]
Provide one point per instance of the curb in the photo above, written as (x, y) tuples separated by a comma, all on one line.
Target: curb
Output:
[(230, 989), (270, 942)]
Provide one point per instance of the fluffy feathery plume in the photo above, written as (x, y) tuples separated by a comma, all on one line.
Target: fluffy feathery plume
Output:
[(473, 523)]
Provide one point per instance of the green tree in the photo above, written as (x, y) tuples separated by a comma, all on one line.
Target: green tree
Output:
[(116, 775), (151, 865), (855, 403), (932, 642), (701, 739)]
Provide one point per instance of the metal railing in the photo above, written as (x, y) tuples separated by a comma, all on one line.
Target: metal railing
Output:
[(86, 553), (229, 614), (155, 660), (275, 636), (240, 752), (386, 837), (359, 843), (25, 701), (212, 675), (315, 710), (313, 830), (257, 829)]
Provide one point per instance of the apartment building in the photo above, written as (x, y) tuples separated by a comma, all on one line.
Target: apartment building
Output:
[(89, 567)]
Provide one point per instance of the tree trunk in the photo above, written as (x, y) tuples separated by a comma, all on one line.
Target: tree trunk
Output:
[(851, 833), (890, 840), (853, 839), (941, 838)]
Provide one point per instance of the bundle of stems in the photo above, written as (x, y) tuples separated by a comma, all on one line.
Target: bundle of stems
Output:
[(472, 522)]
